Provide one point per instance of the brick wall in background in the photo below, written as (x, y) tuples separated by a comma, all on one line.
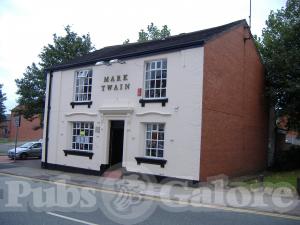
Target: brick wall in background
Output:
[(235, 117), (28, 131)]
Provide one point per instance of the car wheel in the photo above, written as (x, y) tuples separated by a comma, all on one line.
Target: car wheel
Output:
[(23, 156)]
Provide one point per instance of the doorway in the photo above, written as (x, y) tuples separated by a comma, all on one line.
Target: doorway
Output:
[(116, 142)]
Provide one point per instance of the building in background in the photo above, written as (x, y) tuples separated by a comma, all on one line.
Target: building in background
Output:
[(190, 106), (29, 130), (5, 127)]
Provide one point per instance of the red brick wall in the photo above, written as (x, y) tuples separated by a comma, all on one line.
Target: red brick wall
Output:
[(27, 130), (234, 122)]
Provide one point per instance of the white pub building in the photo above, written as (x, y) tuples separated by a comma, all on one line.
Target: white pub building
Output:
[(158, 107)]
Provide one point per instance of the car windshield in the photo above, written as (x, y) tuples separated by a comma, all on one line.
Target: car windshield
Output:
[(26, 145)]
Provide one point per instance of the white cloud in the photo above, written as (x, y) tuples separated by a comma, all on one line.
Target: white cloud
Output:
[(29, 24)]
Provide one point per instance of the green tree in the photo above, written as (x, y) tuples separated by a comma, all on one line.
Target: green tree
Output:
[(280, 51), (31, 87), (2, 106), (65, 48), (153, 33)]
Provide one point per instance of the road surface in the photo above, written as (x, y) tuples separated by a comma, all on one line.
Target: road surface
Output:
[(34, 202)]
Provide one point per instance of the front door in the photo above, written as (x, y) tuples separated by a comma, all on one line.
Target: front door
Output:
[(116, 142)]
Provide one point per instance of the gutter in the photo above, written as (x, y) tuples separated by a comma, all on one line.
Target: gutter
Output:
[(45, 164)]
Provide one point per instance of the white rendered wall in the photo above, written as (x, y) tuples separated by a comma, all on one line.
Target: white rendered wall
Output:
[(181, 115)]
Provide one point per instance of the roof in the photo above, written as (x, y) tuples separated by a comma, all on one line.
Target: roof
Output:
[(181, 41)]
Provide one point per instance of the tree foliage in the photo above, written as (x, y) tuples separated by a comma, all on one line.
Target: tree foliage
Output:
[(32, 86), (2, 106), (280, 51), (152, 33), (65, 48)]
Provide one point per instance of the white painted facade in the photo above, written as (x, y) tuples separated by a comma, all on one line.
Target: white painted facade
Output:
[(181, 115)]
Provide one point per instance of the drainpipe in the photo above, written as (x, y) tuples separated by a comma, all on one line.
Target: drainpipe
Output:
[(48, 118)]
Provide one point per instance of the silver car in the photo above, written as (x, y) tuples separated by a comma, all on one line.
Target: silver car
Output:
[(29, 149)]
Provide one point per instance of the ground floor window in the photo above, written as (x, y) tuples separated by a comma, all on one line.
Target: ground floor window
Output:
[(155, 135), (82, 136)]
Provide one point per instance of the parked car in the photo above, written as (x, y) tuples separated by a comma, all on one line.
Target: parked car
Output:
[(29, 149)]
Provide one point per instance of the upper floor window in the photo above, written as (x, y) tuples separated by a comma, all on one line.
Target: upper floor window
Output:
[(83, 85), (156, 79)]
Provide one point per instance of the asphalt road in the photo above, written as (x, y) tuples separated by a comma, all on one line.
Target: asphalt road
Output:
[(25, 202)]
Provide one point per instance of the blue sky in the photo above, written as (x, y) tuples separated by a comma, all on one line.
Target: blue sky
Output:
[(27, 25)]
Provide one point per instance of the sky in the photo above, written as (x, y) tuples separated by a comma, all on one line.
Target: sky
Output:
[(28, 25)]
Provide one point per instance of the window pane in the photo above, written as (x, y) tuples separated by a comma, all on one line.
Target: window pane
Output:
[(157, 93), (147, 94), (163, 83), (147, 152), (154, 126), (148, 144), (152, 65), (153, 152), (164, 64), (160, 153), (149, 127), (148, 136), (154, 144), (147, 75), (158, 74), (160, 144), (158, 64), (157, 85), (152, 74), (152, 84), (161, 127), (161, 136), (154, 135), (163, 93), (151, 93), (147, 84)]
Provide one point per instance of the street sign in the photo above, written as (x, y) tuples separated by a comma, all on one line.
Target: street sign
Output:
[(18, 121)]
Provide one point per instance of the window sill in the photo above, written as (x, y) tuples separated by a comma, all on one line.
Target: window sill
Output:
[(88, 103), (79, 153), (161, 162), (163, 101)]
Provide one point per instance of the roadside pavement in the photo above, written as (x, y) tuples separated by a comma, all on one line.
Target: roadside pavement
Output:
[(4, 159), (177, 192)]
